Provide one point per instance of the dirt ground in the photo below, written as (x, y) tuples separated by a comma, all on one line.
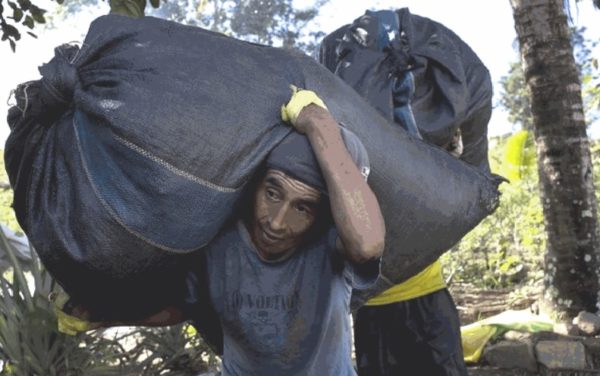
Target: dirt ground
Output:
[(475, 304)]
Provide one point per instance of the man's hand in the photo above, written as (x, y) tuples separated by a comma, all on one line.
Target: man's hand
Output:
[(75, 318), (306, 100), (71, 324)]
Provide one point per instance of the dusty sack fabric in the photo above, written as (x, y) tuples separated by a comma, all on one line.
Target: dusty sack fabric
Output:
[(418, 73), (132, 152), (134, 149)]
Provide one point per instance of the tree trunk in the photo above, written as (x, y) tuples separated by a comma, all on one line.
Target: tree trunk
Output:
[(564, 161)]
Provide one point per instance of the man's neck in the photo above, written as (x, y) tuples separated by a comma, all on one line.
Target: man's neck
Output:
[(271, 259)]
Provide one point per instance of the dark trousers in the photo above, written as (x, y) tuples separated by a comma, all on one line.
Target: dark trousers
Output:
[(417, 337)]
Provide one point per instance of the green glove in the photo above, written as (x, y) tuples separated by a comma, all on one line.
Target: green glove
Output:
[(300, 99)]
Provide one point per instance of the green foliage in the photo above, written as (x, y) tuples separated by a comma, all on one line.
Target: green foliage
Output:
[(31, 345), (7, 215), (519, 156), (24, 15), (590, 74), (277, 23), (591, 89), (591, 92), (508, 246), (515, 98), (29, 340), (131, 8), (271, 22), (175, 351), (595, 151)]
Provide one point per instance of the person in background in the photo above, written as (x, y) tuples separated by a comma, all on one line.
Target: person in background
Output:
[(400, 64), (413, 328)]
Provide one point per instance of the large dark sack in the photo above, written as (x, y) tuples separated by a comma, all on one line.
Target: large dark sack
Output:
[(132, 151), (418, 73)]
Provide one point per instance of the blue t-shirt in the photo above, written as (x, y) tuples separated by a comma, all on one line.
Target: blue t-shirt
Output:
[(288, 317)]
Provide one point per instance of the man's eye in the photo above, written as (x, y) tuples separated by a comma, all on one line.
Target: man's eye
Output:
[(303, 209), (271, 194)]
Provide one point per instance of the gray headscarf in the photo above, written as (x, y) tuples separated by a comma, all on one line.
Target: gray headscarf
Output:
[(295, 157)]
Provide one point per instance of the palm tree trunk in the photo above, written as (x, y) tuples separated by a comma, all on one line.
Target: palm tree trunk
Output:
[(564, 162)]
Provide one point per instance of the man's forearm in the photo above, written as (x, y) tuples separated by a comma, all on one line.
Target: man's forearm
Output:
[(355, 209)]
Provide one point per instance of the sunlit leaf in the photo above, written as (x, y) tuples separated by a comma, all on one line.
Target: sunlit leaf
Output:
[(514, 157), (28, 22), (11, 31), (129, 8), (17, 15), (24, 4), (37, 14)]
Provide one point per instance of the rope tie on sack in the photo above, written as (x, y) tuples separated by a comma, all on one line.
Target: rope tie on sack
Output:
[(19, 97), (46, 100), (59, 76)]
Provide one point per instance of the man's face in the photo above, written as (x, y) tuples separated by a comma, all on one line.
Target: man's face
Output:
[(284, 211)]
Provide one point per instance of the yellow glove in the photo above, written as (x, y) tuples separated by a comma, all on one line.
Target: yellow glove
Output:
[(300, 99), (69, 324), (72, 325)]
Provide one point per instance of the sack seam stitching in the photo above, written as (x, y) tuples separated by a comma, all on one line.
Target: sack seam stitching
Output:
[(172, 168), (112, 213)]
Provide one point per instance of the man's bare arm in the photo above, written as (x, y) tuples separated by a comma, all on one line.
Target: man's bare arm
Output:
[(355, 209)]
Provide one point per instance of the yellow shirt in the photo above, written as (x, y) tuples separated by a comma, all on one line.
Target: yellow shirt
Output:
[(426, 282)]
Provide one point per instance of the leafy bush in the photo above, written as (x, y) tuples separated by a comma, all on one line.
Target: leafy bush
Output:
[(7, 215), (508, 246), (30, 343), (174, 351)]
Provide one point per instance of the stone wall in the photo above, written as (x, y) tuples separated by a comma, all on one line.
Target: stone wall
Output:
[(544, 353)]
